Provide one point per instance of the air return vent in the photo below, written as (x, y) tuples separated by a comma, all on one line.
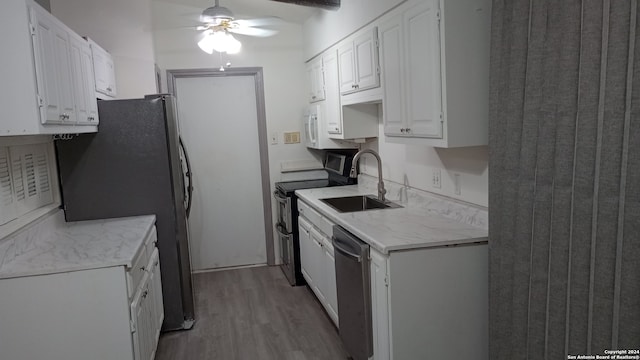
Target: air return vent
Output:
[(325, 4)]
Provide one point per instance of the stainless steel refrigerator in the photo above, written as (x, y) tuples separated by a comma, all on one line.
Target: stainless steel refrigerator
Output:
[(135, 165)]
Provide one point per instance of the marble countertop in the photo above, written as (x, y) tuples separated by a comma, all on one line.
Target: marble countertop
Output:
[(52, 245), (416, 225)]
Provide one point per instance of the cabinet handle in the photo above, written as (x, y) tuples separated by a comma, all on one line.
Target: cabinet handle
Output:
[(357, 86), (109, 89), (408, 130), (402, 130), (61, 116), (144, 295), (142, 268), (353, 86), (313, 97)]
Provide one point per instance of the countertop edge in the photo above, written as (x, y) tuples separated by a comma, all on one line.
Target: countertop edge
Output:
[(332, 215), (135, 243)]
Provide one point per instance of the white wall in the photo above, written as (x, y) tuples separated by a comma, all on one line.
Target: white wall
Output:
[(123, 28), (285, 82), (326, 27), (413, 166)]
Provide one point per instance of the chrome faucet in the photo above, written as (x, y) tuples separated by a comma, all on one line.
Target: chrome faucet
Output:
[(354, 172)]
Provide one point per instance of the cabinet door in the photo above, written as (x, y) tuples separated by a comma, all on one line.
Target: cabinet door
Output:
[(423, 83), (317, 266), (84, 83), (380, 306), (111, 73), (346, 68), (306, 250), (316, 80), (46, 68), (79, 80), (142, 322), (100, 70), (88, 73), (391, 58), (62, 50), (105, 76), (155, 296), (333, 110), (366, 60), (330, 292)]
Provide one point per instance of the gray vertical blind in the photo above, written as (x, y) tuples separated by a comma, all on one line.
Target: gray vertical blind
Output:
[(564, 183)]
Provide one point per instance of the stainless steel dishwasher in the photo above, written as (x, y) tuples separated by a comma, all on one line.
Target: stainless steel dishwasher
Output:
[(354, 293)]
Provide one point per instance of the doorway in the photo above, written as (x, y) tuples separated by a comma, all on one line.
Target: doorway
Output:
[(223, 125)]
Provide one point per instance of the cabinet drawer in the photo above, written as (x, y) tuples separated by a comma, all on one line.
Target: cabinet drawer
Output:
[(319, 221), (313, 216), (325, 226), (151, 242), (136, 272)]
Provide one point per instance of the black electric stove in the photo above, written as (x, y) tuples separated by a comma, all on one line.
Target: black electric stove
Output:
[(287, 225)]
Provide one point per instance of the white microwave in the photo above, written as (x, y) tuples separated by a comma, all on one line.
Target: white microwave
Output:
[(316, 135), (311, 127)]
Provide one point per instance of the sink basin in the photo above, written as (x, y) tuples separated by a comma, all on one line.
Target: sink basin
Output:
[(358, 203)]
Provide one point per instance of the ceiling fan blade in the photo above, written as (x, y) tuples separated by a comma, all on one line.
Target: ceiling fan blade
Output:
[(264, 21), (251, 31)]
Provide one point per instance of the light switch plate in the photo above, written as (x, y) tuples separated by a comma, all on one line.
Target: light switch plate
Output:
[(292, 137), (274, 138)]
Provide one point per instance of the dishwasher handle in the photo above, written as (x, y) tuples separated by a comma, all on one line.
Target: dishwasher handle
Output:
[(340, 247)]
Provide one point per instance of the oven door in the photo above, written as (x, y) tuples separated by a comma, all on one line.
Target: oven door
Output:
[(287, 254), (284, 211)]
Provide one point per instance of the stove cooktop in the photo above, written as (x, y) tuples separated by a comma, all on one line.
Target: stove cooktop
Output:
[(288, 187)]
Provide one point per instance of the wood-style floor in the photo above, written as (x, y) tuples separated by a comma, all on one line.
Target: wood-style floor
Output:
[(253, 314)]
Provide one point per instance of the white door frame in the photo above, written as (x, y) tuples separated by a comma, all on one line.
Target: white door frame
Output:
[(256, 73)]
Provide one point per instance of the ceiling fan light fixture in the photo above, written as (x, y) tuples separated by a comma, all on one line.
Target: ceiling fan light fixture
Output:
[(206, 43), (220, 41)]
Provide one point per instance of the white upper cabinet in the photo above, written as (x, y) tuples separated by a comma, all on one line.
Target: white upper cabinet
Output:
[(41, 74), (315, 72), (84, 83), (358, 63), (411, 59), (105, 75), (435, 73), (332, 96)]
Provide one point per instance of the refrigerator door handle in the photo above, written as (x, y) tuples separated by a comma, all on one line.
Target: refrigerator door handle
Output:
[(189, 176)]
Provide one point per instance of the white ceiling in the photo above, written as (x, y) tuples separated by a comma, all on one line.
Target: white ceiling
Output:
[(171, 14)]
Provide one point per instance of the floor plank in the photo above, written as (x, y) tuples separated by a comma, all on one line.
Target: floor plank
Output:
[(253, 313)]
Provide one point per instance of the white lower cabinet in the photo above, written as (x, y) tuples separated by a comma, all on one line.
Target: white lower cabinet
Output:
[(379, 306), (87, 314), (317, 259), (431, 303)]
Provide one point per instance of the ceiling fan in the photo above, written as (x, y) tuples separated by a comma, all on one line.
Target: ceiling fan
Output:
[(218, 23)]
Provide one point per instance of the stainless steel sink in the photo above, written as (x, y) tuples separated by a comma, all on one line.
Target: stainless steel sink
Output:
[(358, 203)]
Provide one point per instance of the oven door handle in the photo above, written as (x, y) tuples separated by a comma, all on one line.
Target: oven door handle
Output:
[(280, 230), (280, 199)]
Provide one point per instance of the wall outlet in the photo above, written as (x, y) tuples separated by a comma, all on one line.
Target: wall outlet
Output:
[(456, 183), (436, 180)]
